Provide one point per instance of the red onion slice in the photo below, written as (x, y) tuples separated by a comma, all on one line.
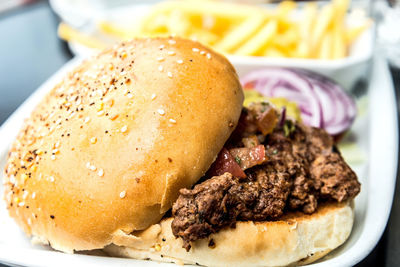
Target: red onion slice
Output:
[(322, 102)]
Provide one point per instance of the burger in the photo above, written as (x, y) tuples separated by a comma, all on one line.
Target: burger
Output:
[(145, 151)]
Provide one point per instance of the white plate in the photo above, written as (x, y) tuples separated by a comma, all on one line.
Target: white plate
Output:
[(375, 132), (85, 18)]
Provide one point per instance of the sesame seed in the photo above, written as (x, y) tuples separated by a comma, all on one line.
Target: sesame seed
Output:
[(88, 165), (58, 121), (100, 113), (161, 111), (53, 157), (110, 102), (21, 204), (51, 178), (93, 168), (202, 52), (180, 61), (172, 120), (129, 95), (169, 74), (122, 194), (171, 53), (124, 128), (161, 46), (208, 55), (55, 151), (195, 50), (100, 173), (99, 105), (113, 117), (25, 194), (33, 195), (93, 140), (57, 144), (153, 96), (112, 86), (160, 58), (87, 119), (171, 42), (24, 177)]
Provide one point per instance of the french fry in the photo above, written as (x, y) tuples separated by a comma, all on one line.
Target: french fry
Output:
[(273, 52), (340, 8), (284, 50), (325, 51), (284, 9), (178, 23), (203, 36), (338, 39), (157, 11), (353, 33), (158, 25), (282, 15), (286, 39), (324, 20), (118, 31), (70, 34), (216, 9), (260, 40), (339, 42), (308, 18), (302, 50), (306, 27), (240, 34)]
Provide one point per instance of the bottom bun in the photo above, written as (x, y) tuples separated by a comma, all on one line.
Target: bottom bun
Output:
[(296, 239)]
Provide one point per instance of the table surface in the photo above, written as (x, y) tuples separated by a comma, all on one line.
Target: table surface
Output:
[(30, 52)]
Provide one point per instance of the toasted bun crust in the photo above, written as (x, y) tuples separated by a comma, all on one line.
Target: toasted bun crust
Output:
[(295, 239), (110, 146)]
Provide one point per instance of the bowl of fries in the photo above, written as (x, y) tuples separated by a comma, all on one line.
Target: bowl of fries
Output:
[(323, 37)]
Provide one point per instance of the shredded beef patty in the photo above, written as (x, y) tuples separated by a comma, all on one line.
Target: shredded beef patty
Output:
[(301, 168)]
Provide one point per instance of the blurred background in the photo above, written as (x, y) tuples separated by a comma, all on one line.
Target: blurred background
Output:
[(39, 37)]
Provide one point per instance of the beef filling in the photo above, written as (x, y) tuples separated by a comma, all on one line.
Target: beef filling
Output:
[(300, 169)]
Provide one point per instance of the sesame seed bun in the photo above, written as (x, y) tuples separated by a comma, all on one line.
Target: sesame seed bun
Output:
[(295, 239), (109, 147)]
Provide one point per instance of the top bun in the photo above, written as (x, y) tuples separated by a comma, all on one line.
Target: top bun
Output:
[(107, 150)]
